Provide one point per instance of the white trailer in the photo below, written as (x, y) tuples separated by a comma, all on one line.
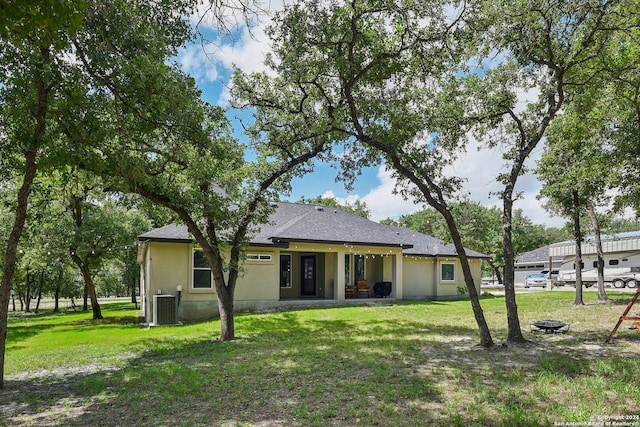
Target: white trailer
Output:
[(616, 277), (621, 261)]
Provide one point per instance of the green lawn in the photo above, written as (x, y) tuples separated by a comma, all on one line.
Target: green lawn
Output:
[(406, 364)]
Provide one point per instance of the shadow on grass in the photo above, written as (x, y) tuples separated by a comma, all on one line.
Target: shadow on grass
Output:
[(301, 368), (21, 327), (308, 382), (287, 370), (623, 299)]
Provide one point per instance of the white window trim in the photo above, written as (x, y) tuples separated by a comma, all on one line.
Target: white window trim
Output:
[(442, 279), (260, 258), (192, 288)]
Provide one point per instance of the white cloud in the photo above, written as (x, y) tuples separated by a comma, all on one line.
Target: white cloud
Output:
[(380, 200), (479, 169), (349, 200), (247, 53), (196, 63), (383, 203), (240, 45), (479, 166)]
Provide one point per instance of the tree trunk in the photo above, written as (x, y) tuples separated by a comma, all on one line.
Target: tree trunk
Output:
[(11, 250), (485, 334), (133, 292), (225, 305), (13, 302), (56, 298), (602, 294), (89, 285), (496, 271), (27, 293), (56, 309), (85, 298), (40, 291), (443, 209), (578, 259), (514, 333)]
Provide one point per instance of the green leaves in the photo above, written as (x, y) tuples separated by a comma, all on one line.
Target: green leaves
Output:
[(46, 22)]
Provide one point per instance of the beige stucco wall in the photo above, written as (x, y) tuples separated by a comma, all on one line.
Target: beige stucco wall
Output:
[(422, 277), (418, 277), (167, 265), (449, 289), (260, 280)]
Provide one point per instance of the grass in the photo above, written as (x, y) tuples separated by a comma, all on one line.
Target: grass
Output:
[(409, 364)]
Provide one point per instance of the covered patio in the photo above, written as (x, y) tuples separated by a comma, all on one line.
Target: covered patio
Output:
[(339, 272)]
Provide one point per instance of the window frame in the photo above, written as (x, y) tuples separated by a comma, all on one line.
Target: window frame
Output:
[(290, 270), (259, 258), (453, 271), (359, 267), (194, 268)]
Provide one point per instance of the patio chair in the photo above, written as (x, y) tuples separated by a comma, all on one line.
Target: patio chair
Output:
[(363, 288), (350, 291)]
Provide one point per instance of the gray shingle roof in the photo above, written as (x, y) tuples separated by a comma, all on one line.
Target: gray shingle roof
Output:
[(291, 222), (425, 245), (536, 256), (170, 232)]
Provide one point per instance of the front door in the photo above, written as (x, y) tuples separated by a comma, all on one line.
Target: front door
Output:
[(308, 275)]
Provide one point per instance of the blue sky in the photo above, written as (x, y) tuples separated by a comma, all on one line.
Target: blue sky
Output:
[(211, 66)]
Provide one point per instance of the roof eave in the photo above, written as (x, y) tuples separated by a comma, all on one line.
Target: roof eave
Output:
[(337, 242), (164, 240)]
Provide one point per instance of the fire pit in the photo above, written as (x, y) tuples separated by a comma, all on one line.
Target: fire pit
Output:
[(549, 326)]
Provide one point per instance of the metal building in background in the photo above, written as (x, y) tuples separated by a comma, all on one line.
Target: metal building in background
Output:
[(621, 259)]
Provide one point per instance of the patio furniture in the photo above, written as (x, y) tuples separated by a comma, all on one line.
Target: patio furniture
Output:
[(350, 292), (363, 288), (382, 289)]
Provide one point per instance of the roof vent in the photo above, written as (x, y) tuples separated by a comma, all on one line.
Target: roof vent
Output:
[(273, 205), (319, 208)]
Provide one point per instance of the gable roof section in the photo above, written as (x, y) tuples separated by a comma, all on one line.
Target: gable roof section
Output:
[(425, 245), (292, 222), (169, 233)]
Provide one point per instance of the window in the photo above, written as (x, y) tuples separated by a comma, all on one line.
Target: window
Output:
[(614, 262), (447, 272), (285, 271), (201, 271), (359, 267), (347, 269), (595, 264), (259, 257)]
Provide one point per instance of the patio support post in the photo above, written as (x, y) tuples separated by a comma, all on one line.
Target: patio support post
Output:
[(397, 275), (339, 275)]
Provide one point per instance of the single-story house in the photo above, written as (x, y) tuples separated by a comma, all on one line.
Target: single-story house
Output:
[(304, 253)]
